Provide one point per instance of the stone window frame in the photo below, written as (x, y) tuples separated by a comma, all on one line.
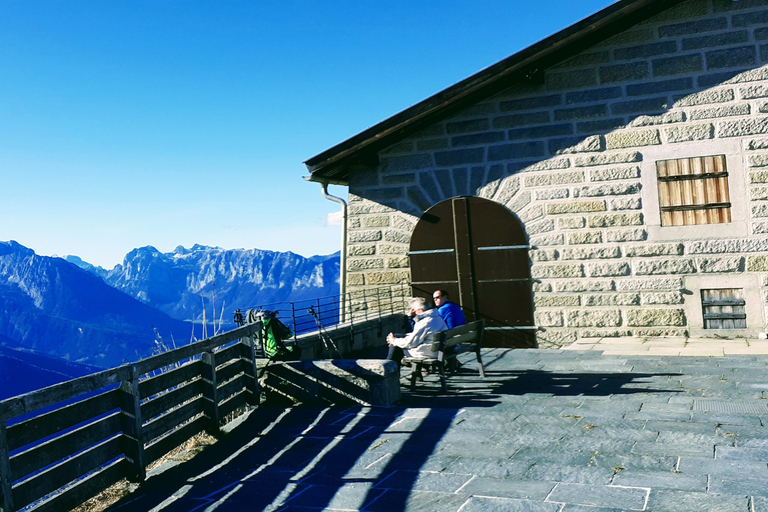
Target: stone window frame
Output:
[(749, 283), (734, 161)]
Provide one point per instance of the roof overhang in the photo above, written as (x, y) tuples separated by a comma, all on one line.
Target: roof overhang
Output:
[(334, 165)]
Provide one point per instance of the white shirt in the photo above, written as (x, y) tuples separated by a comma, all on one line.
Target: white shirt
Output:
[(418, 343)]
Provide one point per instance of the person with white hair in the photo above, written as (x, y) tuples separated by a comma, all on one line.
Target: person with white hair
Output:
[(417, 342)]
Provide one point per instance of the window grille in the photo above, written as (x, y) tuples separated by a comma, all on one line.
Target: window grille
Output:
[(693, 191), (724, 308)]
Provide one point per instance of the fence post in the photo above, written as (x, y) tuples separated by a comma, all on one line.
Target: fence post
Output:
[(130, 407), (293, 319), (6, 496), (210, 393), (252, 385)]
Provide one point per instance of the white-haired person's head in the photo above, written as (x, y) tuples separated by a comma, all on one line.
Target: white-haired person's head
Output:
[(418, 304)]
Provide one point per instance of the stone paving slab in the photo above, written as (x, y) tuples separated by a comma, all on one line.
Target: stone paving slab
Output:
[(547, 430)]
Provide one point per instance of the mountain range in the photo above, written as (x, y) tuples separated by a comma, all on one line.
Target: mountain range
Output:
[(89, 317)]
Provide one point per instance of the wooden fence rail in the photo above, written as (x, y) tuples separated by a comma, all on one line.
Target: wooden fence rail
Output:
[(61, 445)]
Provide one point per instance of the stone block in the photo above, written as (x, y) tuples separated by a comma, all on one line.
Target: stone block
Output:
[(614, 173), (600, 125), (650, 284), (633, 138), (364, 236), (574, 113), (476, 139), (552, 193), (575, 145), (406, 163), (549, 164), (757, 263), (731, 58), (757, 144), (361, 250), (572, 79), (758, 177), (688, 133), (391, 235), (721, 111), (544, 226), (726, 246), (353, 222), (585, 59), (648, 317), (388, 277), (377, 221), (608, 189), (760, 210), (585, 285), (515, 151), (365, 263), (657, 104), (541, 287), (515, 120), (609, 159), (400, 262), (660, 86), (706, 97), (693, 27), (666, 266), (592, 95), (662, 298), (663, 118), (575, 207), (392, 249), (432, 144), (550, 179), (401, 223), (571, 223), (591, 253), (407, 178), (460, 157), (551, 301), (543, 254), (467, 126), (534, 103), (671, 249), (721, 264), (716, 40), (626, 203), (608, 269), (548, 318), (626, 235), (758, 193), (585, 237), (540, 132), (623, 72), (548, 239), (758, 160), (594, 318), (559, 270), (615, 219), (383, 194), (643, 51), (678, 65), (355, 279), (612, 299)]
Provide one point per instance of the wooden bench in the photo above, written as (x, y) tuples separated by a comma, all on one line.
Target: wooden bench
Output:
[(469, 336)]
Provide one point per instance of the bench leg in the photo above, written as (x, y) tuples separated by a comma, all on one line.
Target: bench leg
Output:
[(415, 373), (480, 363), (441, 365)]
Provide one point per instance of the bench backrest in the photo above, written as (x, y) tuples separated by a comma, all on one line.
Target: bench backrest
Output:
[(467, 333)]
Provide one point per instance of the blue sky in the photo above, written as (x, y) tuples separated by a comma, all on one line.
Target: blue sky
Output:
[(169, 122)]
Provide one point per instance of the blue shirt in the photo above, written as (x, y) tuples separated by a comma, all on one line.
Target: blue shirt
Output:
[(452, 315)]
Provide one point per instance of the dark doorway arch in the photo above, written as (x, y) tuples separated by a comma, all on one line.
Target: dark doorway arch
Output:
[(477, 250)]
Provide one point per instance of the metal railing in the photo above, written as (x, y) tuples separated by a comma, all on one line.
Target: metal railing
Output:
[(303, 316)]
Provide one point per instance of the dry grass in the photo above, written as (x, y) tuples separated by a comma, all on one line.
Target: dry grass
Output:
[(123, 488)]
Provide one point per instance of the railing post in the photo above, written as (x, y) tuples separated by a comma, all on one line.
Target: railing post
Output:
[(130, 405), (210, 393), (6, 492), (293, 320), (252, 385)]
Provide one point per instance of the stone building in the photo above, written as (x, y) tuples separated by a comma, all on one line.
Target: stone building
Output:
[(610, 180)]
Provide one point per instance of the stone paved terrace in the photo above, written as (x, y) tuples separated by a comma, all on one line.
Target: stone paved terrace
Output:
[(597, 430)]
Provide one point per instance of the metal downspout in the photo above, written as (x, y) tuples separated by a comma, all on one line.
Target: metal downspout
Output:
[(343, 256)]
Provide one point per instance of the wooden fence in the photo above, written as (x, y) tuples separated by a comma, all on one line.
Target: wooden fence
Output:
[(61, 445)]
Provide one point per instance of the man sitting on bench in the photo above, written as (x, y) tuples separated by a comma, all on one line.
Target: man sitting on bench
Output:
[(416, 343)]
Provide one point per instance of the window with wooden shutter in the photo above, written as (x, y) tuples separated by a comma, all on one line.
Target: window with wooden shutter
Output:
[(724, 308), (693, 191)]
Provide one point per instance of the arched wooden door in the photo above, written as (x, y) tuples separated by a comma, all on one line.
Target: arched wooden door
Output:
[(477, 251)]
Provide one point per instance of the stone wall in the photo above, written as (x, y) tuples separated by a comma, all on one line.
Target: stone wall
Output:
[(574, 158)]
